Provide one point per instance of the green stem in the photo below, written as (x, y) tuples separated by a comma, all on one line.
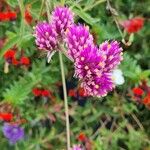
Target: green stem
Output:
[(65, 101), (41, 9), (22, 28), (64, 85), (48, 11)]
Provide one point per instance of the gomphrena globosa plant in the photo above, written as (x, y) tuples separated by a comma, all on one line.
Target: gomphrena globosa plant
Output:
[(93, 64)]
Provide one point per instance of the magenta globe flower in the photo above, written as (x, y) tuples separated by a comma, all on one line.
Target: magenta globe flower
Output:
[(98, 86), (13, 133), (113, 53), (77, 147), (45, 36), (89, 63), (77, 39), (62, 19)]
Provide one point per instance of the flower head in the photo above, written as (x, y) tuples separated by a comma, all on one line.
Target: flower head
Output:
[(81, 92), (76, 147), (45, 36), (6, 116), (78, 38), (28, 17), (113, 53), (98, 86), (138, 91), (36, 92), (62, 19), (146, 100), (15, 62), (82, 137), (133, 25), (89, 62), (72, 93), (9, 54), (46, 93), (8, 16), (13, 133), (25, 61)]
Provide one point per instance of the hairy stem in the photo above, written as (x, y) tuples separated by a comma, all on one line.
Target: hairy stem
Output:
[(65, 101)]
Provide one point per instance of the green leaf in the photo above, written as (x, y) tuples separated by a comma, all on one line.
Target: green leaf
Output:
[(86, 17), (144, 74)]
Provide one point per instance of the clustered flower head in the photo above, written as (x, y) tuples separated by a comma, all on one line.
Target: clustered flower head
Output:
[(113, 53), (48, 35), (93, 64), (45, 36), (62, 19), (76, 147), (13, 132), (78, 38)]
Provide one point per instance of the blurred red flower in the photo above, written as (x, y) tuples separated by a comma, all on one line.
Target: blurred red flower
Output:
[(9, 54), (45, 93), (6, 16), (81, 92), (146, 100), (72, 93), (6, 116), (15, 62), (36, 92), (28, 17), (133, 25), (25, 61), (82, 137), (11, 15), (137, 91)]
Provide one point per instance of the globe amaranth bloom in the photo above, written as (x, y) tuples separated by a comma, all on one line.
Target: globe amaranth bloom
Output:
[(113, 53), (45, 36), (76, 147), (77, 39), (62, 19), (89, 62), (98, 86), (13, 132)]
